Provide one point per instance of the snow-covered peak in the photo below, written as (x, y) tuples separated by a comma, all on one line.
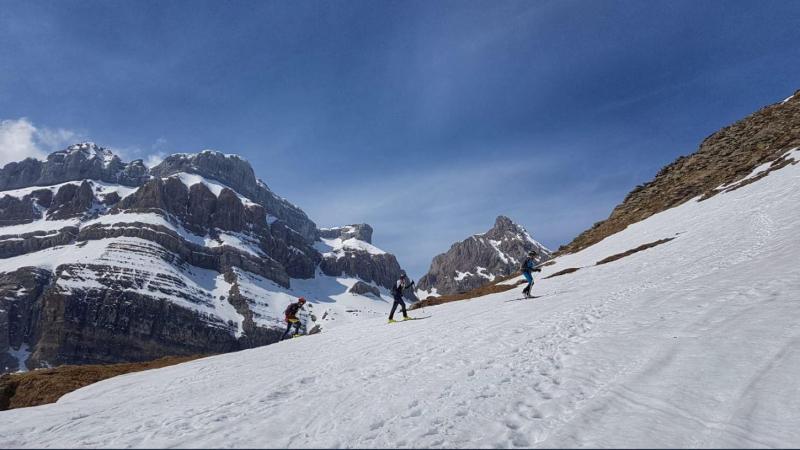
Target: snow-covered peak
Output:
[(481, 258), (360, 231), (89, 150), (209, 151), (338, 247)]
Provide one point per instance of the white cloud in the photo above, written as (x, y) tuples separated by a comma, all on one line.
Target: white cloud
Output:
[(17, 141), (20, 139), (154, 159), (150, 158)]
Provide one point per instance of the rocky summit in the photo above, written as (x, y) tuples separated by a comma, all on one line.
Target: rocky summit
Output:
[(480, 259), (106, 261)]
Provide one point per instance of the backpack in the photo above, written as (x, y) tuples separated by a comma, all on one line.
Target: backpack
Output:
[(291, 310), (526, 265)]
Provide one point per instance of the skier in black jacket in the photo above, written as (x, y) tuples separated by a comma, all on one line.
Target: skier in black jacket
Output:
[(291, 317), (402, 284)]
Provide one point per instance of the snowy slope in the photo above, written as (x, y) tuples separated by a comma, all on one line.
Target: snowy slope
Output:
[(692, 343)]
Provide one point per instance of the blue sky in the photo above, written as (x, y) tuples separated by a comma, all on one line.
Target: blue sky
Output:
[(425, 119)]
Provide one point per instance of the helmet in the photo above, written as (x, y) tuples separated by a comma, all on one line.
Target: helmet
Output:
[(402, 273), (301, 300), (532, 253)]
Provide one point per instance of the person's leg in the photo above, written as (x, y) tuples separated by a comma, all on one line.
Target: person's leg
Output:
[(403, 305), (288, 327), (528, 277), (297, 327), (394, 307)]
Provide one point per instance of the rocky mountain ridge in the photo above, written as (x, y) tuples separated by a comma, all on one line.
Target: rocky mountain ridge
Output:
[(105, 261), (722, 162), (479, 259)]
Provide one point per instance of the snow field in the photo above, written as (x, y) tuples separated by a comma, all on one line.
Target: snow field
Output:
[(692, 343)]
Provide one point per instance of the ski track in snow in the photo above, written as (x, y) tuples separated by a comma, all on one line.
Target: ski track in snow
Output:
[(692, 343)]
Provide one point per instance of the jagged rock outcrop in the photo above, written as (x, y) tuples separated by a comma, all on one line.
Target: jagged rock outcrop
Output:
[(480, 259), (71, 201), (363, 288), (16, 210), (77, 162), (723, 158), (238, 175)]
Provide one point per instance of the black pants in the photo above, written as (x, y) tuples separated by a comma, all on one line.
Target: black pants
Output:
[(289, 327), (398, 301)]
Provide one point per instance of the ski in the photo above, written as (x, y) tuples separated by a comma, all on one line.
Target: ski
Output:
[(524, 298), (409, 319), (527, 298)]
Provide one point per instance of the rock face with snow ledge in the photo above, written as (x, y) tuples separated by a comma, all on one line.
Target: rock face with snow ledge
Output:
[(349, 251), (479, 259), (104, 261)]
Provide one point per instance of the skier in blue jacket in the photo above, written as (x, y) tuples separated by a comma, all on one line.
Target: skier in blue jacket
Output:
[(528, 266)]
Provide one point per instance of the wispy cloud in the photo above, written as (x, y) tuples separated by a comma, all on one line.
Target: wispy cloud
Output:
[(20, 139), (154, 159), (158, 153), (150, 156)]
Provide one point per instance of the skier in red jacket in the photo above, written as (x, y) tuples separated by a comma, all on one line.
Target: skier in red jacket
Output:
[(291, 317)]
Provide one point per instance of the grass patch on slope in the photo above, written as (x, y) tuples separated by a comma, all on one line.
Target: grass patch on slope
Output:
[(42, 386)]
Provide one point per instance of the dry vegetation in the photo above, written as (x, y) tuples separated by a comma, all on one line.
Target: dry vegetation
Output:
[(562, 272), (632, 251), (492, 288), (38, 387), (723, 158)]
